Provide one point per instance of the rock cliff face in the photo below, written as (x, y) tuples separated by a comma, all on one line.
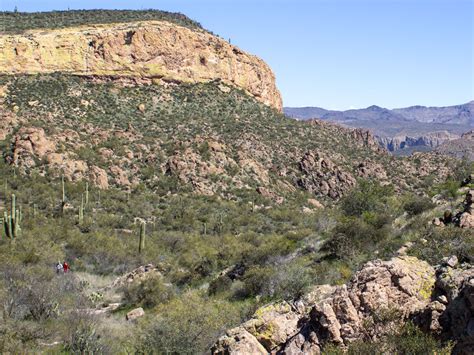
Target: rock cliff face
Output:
[(396, 290), (149, 51), (429, 140)]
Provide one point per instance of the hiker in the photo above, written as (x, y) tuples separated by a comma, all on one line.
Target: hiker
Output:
[(65, 267), (59, 267)]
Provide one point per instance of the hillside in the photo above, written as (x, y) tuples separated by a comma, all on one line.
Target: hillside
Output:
[(186, 203), (209, 137)]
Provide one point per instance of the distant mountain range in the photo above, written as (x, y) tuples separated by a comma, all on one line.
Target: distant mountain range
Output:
[(400, 130), (459, 114)]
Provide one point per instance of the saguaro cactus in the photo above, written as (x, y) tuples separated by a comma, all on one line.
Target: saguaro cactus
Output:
[(81, 210), (63, 198), (12, 221), (141, 245), (87, 193)]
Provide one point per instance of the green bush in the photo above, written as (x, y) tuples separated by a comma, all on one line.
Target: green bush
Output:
[(189, 325), (354, 236), (368, 196), (436, 243), (149, 293), (415, 205)]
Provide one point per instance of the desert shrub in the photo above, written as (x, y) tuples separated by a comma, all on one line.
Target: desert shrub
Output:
[(353, 236), (220, 285), (368, 196), (407, 339), (436, 243), (82, 336), (257, 281), (448, 189), (415, 205), (291, 281), (21, 21), (411, 340), (20, 337), (149, 292), (287, 281), (462, 170), (189, 324)]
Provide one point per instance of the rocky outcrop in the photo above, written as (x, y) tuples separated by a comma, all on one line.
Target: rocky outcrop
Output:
[(138, 275), (394, 290), (321, 176), (450, 314), (370, 169), (8, 121), (147, 51)]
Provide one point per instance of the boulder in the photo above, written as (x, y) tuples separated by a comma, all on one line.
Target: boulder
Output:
[(315, 203), (238, 341), (466, 220), (135, 314)]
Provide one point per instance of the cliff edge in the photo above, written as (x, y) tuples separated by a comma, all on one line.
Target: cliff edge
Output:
[(157, 51)]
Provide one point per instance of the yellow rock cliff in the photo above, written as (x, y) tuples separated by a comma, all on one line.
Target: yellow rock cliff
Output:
[(156, 50)]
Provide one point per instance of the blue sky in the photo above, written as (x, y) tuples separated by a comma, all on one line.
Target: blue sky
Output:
[(337, 54)]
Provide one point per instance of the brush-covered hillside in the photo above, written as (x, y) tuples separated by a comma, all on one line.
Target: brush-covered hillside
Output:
[(178, 193)]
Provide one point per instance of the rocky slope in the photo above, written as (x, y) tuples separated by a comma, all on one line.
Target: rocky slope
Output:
[(378, 297), (210, 138), (145, 51), (462, 148)]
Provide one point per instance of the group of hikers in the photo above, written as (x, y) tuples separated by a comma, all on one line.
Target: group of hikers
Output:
[(64, 267)]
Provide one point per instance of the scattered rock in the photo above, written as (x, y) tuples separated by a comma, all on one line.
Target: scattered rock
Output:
[(466, 220), (438, 222)]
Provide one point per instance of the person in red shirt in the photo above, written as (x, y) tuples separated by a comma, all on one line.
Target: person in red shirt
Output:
[(65, 267)]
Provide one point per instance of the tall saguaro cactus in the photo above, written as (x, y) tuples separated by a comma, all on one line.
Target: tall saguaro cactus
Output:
[(81, 210), (63, 198), (12, 221), (87, 193), (141, 245)]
